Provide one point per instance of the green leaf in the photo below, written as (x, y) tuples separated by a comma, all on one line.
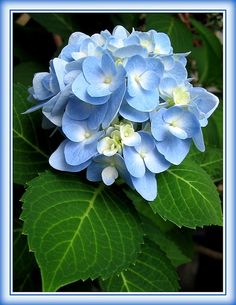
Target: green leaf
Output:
[(144, 209), (77, 230), (209, 36), (213, 134), (180, 35), (187, 197), (152, 272), (57, 23), (171, 242), (22, 258), (24, 265), (29, 141), (211, 161), (208, 56)]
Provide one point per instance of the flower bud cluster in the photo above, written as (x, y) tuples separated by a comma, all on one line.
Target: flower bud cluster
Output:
[(125, 106)]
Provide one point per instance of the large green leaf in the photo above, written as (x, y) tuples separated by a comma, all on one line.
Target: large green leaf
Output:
[(78, 231), (188, 197), (24, 265), (144, 209), (208, 56), (152, 272), (211, 161), (29, 141), (22, 258), (171, 242), (57, 23), (180, 35), (213, 133)]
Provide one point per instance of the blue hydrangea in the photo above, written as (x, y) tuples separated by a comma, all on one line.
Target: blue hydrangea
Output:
[(125, 106)]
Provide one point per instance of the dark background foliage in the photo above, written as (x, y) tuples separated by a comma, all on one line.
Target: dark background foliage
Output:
[(39, 37)]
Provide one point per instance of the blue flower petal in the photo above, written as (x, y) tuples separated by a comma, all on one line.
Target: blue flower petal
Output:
[(199, 141), (92, 71), (145, 101), (167, 86), (98, 90), (130, 51), (57, 160), (114, 105), (183, 120), (74, 130), (78, 153), (158, 126), (147, 143), (174, 149), (79, 88), (108, 65), (146, 186), (77, 109), (135, 65), (133, 162), (59, 68), (149, 80), (94, 171), (129, 113), (97, 116), (40, 92), (156, 162)]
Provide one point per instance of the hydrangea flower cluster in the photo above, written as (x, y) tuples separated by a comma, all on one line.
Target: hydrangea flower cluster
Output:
[(125, 106)]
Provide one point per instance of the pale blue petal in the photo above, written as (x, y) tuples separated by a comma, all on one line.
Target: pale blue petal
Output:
[(135, 65), (149, 80), (205, 101), (156, 162), (57, 160), (133, 140), (59, 68), (62, 100), (147, 143), (133, 162), (162, 41), (114, 105), (77, 109), (174, 149), (97, 115), (145, 101), (78, 153), (159, 128), (120, 32), (146, 186), (133, 87), (129, 51), (118, 79), (94, 171), (178, 72), (182, 119), (131, 114), (40, 92), (177, 132), (70, 77), (199, 141), (167, 86), (108, 65), (79, 88), (98, 90), (74, 130), (156, 65), (92, 70)]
